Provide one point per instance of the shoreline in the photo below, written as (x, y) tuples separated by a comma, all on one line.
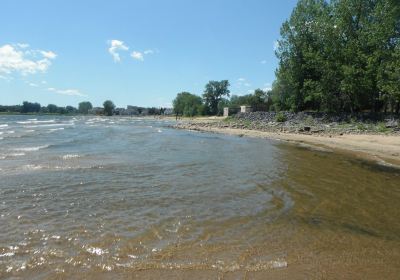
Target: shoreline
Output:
[(383, 149)]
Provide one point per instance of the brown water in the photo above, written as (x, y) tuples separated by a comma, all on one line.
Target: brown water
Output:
[(107, 198)]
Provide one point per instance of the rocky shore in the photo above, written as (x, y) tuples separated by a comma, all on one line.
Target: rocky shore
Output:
[(303, 123)]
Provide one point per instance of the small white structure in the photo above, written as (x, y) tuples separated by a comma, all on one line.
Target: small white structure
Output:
[(245, 109), (226, 111)]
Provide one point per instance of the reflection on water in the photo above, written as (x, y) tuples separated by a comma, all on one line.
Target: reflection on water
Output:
[(122, 197)]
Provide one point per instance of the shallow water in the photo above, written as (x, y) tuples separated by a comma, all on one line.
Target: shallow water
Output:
[(115, 197)]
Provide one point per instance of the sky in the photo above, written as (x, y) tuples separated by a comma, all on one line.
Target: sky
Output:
[(135, 52)]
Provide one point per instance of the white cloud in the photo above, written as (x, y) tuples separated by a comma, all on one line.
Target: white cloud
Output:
[(115, 46), (137, 55), (23, 46), (241, 79), (16, 59), (148, 52), (49, 54), (33, 85), (263, 62), (69, 92)]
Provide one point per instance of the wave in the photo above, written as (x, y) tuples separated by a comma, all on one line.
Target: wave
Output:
[(50, 125), (55, 129), (35, 121), (2, 126), (66, 157), (5, 156), (31, 149)]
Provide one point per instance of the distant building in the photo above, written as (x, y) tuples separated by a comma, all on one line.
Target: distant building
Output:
[(132, 110), (121, 112), (168, 111), (96, 111)]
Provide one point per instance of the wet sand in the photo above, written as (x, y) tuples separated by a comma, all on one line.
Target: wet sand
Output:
[(381, 148)]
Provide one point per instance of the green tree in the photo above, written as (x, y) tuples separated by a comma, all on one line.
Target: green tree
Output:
[(213, 94), (188, 104), (52, 109), (84, 107), (108, 107), (28, 107), (339, 55), (71, 110)]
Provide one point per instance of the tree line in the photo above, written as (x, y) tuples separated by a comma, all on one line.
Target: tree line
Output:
[(340, 56), (84, 108), (216, 96), (36, 108)]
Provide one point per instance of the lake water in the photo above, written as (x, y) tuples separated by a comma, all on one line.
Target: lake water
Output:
[(107, 198)]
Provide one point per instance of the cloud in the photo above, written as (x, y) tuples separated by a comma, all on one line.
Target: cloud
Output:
[(49, 54), (263, 62), (115, 46), (18, 59), (137, 55), (33, 85), (241, 79), (69, 92), (146, 52), (22, 46)]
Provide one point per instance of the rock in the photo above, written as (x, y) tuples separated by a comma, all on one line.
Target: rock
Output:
[(307, 128)]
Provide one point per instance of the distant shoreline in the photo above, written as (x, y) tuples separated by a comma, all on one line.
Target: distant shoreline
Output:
[(381, 148)]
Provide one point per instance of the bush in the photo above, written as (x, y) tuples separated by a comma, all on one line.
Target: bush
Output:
[(280, 117)]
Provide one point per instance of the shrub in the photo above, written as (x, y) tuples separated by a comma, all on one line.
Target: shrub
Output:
[(280, 117)]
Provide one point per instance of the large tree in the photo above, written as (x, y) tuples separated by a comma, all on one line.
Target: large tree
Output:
[(84, 107), (213, 94), (108, 107)]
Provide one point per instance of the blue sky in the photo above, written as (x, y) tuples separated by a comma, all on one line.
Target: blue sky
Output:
[(135, 52)]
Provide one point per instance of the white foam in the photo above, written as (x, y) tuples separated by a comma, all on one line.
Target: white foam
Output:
[(15, 155), (35, 121), (55, 129), (9, 254), (2, 126), (31, 149), (65, 157), (32, 167), (96, 251)]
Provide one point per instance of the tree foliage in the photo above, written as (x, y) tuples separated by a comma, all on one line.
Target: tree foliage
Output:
[(188, 104), (28, 107), (259, 100), (341, 55), (213, 94), (84, 107), (108, 107)]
